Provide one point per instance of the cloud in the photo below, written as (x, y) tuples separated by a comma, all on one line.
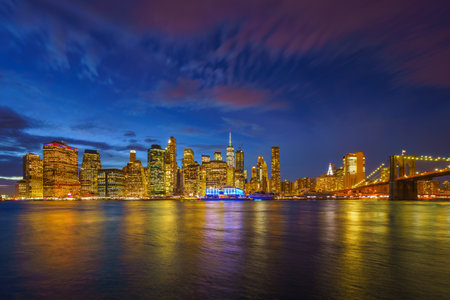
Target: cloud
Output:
[(150, 140), (194, 95), (242, 127), (130, 134)]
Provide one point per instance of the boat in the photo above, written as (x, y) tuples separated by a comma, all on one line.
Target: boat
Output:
[(261, 196)]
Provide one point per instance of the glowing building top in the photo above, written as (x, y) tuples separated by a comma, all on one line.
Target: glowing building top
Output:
[(230, 154), (330, 170)]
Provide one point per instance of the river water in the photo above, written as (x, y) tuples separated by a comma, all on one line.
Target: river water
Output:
[(222, 250)]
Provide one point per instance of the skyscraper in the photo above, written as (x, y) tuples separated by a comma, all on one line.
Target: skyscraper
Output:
[(276, 176), (135, 179), (230, 154), (32, 176), (156, 170), (188, 158), (111, 183), (216, 174), (240, 160), (171, 165), (354, 168), (132, 155), (89, 173), (60, 173)]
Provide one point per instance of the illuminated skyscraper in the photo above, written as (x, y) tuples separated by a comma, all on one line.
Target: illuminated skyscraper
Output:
[(191, 179), (132, 155), (206, 158), (304, 184), (171, 166), (276, 176), (111, 183), (218, 155), (354, 168), (215, 172), (240, 160), (188, 157), (265, 180), (135, 179), (286, 187), (60, 173), (230, 154), (89, 173), (240, 173), (259, 168), (32, 186), (156, 170)]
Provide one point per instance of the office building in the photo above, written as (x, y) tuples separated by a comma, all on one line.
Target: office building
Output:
[(216, 174), (171, 166), (135, 178), (240, 160), (32, 186), (111, 183), (206, 158), (89, 173), (156, 170), (60, 170), (286, 187), (305, 184), (354, 169), (276, 175), (188, 158)]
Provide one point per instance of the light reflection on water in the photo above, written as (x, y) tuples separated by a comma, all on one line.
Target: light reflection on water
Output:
[(267, 249)]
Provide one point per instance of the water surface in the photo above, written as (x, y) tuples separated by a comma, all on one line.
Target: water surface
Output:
[(221, 250)]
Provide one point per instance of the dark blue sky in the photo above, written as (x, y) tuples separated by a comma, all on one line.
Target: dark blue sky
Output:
[(318, 78)]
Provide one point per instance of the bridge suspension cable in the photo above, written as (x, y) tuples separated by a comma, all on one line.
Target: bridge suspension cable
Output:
[(368, 177), (426, 158)]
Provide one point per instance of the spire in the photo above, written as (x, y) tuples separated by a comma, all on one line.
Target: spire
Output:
[(330, 170), (230, 138)]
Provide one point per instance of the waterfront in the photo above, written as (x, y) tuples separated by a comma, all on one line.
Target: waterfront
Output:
[(236, 249)]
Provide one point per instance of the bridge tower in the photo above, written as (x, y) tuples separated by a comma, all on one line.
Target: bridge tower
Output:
[(401, 166)]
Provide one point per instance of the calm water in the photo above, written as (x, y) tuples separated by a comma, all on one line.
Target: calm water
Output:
[(216, 250)]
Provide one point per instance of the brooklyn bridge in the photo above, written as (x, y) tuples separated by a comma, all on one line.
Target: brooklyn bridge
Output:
[(401, 184)]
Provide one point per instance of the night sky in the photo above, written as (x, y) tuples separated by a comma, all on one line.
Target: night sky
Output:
[(318, 78)]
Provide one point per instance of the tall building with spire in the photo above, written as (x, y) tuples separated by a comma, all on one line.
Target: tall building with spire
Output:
[(230, 154), (89, 173), (275, 180)]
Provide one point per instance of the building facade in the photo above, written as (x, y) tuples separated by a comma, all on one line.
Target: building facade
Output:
[(276, 175), (354, 169), (60, 170), (135, 178), (156, 170), (89, 173), (111, 183), (32, 177)]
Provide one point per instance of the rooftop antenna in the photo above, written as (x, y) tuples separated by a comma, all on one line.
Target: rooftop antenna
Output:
[(230, 138)]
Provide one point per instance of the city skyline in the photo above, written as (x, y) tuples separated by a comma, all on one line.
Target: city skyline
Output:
[(113, 77)]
